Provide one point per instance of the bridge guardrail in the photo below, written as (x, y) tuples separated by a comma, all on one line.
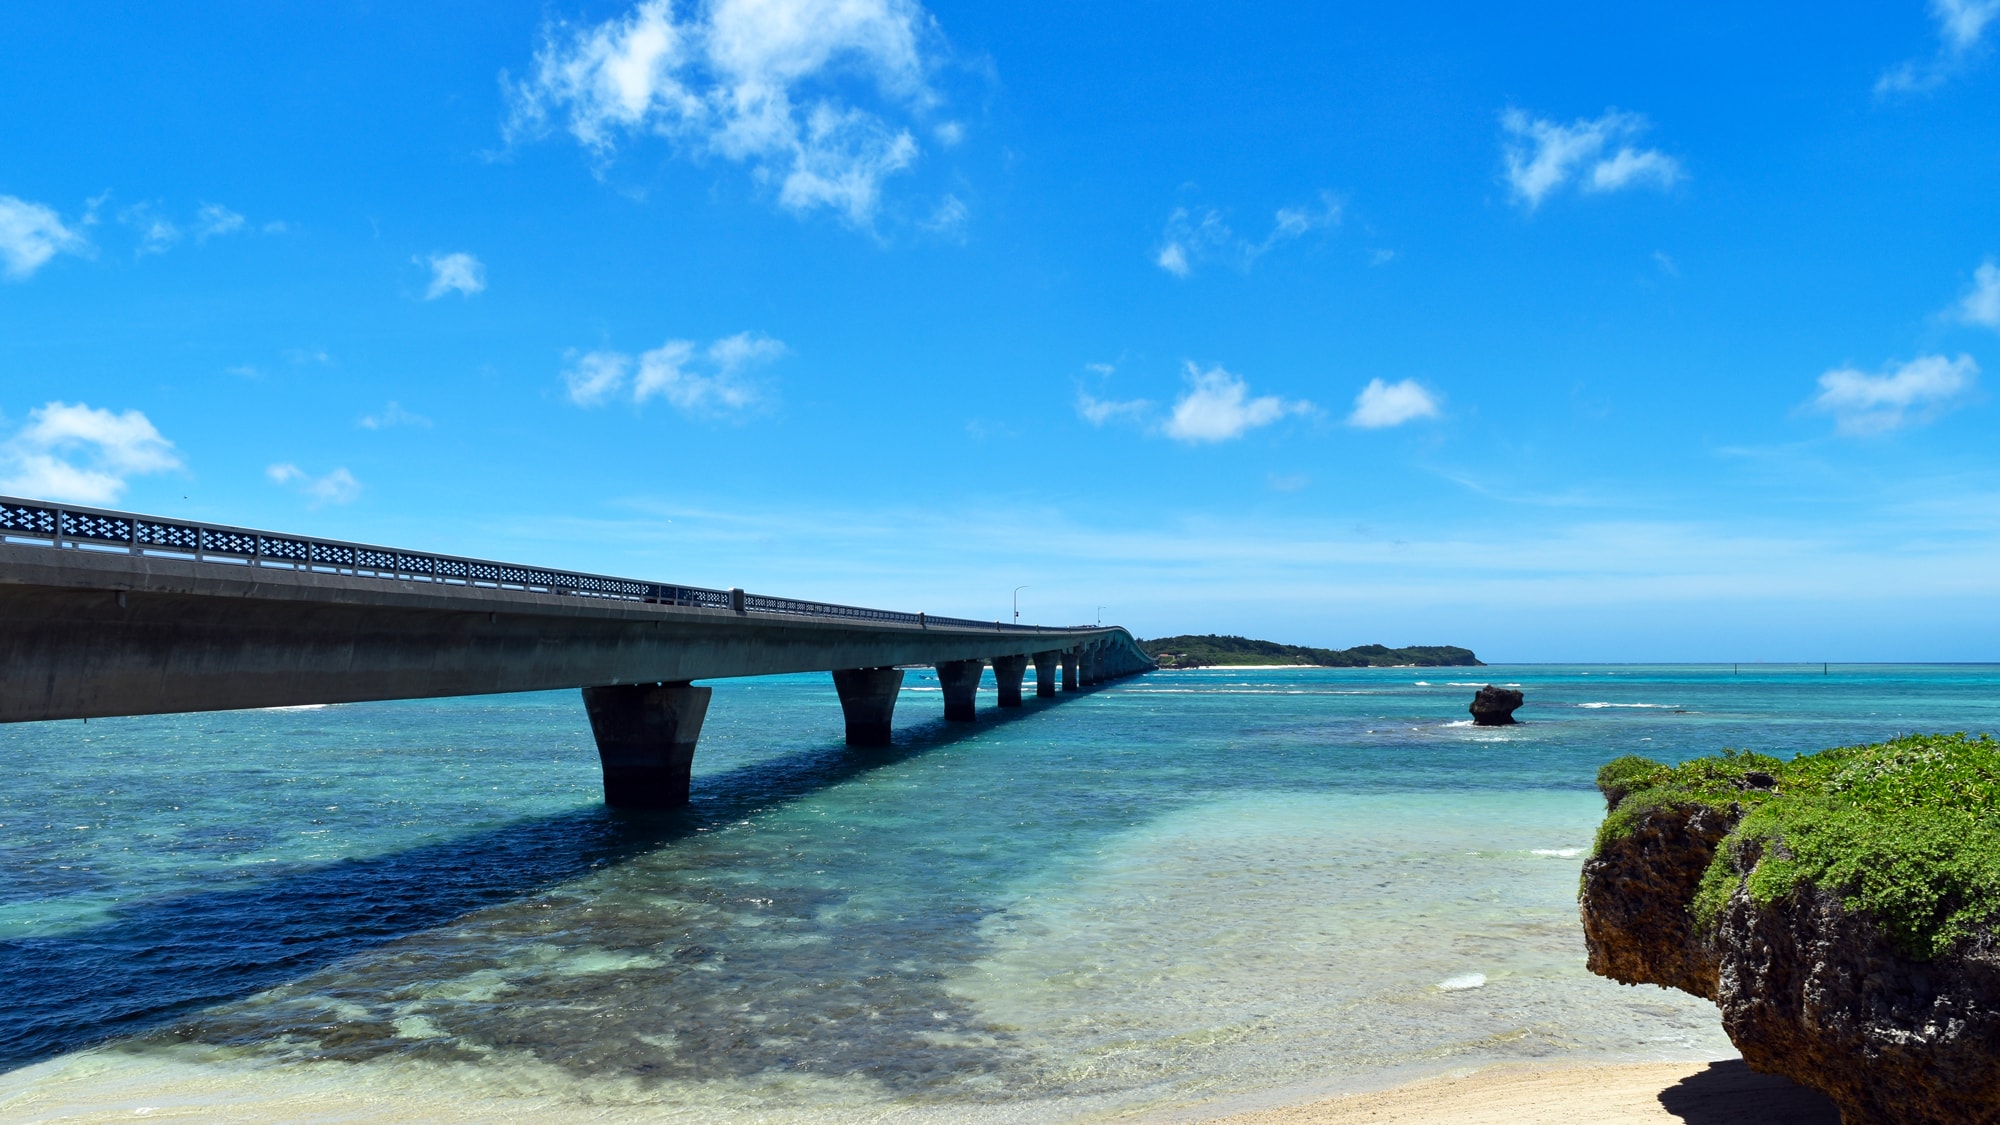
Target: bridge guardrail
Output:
[(70, 526)]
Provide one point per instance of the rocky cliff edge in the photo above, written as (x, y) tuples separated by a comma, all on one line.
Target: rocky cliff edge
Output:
[(1839, 909)]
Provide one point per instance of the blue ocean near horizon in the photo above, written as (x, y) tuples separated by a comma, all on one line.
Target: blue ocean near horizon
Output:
[(1186, 889)]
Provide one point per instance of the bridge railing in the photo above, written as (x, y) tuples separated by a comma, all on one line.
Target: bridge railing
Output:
[(69, 526)]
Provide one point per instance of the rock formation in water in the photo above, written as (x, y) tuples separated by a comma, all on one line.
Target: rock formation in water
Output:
[(1494, 706), (1839, 909)]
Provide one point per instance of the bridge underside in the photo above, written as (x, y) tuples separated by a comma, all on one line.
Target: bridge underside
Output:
[(85, 634)]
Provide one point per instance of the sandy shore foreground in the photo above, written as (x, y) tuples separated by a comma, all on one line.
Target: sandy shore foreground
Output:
[(1717, 1093)]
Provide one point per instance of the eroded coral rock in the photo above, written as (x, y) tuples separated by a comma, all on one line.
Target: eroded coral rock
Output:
[(1495, 706), (1810, 985)]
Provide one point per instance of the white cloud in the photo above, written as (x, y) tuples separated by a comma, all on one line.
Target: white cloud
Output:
[(1194, 236), (1961, 23), (1982, 305), (394, 415), (336, 487), (1961, 28), (1217, 407), (948, 219), (1098, 411), (1543, 155), (31, 234), (596, 376), (695, 380), (764, 83), (745, 349), (1911, 393), (82, 455), (214, 219), (1391, 404), (461, 273), (157, 233), (1629, 167)]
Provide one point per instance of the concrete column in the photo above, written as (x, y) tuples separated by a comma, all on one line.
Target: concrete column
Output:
[(960, 681), (1045, 674), (1091, 659), (645, 739), (1070, 671), (1008, 672), (868, 702)]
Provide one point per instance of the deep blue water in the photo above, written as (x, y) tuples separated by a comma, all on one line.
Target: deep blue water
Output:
[(1184, 887)]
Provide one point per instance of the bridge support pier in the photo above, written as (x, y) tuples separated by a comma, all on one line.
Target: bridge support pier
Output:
[(1091, 663), (1045, 674), (645, 740), (868, 702), (960, 681), (1008, 672), (1071, 670)]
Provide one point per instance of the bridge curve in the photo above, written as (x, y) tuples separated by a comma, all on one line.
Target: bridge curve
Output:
[(108, 613)]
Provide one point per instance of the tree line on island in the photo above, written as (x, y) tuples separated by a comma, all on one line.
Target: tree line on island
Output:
[(1210, 650)]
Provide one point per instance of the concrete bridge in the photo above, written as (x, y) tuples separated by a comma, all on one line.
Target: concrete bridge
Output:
[(110, 613)]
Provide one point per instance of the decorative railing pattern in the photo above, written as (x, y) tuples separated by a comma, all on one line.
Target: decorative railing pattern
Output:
[(65, 526)]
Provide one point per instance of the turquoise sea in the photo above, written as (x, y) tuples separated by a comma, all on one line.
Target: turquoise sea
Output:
[(1181, 893)]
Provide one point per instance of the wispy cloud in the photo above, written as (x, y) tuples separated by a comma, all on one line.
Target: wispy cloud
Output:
[(1707, 583), (1098, 411), (157, 233), (1961, 31), (459, 273), (1217, 406), (769, 84), (336, 487), (80, 454), (1380, 404), (1596, 154), (1903, 395), (708, 381), (948, 218), (1982, 304), (1199, 235), (391, 416), (31, 234), (214, 219)]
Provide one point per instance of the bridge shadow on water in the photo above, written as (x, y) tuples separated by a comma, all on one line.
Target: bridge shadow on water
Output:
[(155, 961)]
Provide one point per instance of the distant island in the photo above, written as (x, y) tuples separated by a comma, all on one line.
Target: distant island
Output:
[(1210, 650)]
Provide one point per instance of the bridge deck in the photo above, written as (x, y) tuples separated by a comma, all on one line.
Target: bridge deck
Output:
[(87, 631)]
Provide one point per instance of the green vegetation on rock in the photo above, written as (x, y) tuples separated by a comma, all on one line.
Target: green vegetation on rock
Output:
[(1210, 649), (1906, 831)]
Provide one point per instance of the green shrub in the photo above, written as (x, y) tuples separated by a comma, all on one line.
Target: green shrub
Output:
[(1905, 831)]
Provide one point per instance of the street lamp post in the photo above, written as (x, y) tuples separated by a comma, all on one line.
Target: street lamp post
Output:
[(1017, 603), (1100, 613)]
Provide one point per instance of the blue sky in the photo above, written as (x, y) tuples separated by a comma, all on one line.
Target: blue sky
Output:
[(1564, 333)]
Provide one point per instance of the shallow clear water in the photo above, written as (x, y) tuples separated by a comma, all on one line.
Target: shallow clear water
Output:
[(1185, 889)]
